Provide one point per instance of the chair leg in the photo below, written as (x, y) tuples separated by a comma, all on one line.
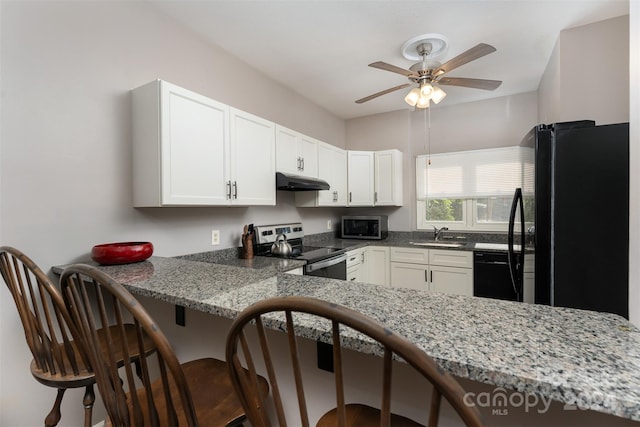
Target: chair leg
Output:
[(53, 417), (87, 401)]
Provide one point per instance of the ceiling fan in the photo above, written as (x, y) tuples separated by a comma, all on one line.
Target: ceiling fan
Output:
[(428, 73)]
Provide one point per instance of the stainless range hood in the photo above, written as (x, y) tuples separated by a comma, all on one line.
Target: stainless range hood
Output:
[(289, 182)]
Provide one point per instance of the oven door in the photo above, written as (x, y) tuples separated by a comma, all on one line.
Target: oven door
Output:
[(332, 268)]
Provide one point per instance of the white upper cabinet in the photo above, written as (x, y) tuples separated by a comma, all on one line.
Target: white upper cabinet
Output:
[(332, 168), (375, 178), (361, 178), (388, 178), (253, 162), (308, 151), (189, 150), (296, 153), (287, 158)]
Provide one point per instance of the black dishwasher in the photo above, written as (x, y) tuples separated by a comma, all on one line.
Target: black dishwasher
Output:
[(491, 277)]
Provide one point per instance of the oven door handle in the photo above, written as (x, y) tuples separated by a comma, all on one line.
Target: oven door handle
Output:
[(325, 263)]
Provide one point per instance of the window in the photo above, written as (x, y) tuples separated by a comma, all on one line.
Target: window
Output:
[(472, 189)]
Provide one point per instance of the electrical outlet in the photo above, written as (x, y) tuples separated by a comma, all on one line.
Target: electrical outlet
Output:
[(329, 227), (215, 237)]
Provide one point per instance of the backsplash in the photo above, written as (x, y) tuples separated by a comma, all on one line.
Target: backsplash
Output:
[(315, 239), (220, 256)]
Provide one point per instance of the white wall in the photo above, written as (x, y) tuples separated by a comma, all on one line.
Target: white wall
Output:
[(67, 68), (497, 122), (587, 76)]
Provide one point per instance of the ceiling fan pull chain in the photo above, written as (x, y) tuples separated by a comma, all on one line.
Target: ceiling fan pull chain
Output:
[(427, 133)]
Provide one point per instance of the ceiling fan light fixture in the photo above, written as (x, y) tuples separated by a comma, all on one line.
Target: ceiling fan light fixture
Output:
[(438, 94), (423, 102), (426, 90), (412, 97)]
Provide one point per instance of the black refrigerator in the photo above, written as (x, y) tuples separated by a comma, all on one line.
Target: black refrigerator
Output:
[(581, 216)]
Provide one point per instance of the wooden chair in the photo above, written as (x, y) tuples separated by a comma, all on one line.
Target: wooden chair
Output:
[(239, 355), (195, 393), (58, 361)]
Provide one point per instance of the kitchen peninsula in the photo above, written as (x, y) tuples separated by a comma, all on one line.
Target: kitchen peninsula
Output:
[(571, 356)]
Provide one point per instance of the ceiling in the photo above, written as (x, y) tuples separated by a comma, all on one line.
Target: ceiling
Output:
[(321, 49)]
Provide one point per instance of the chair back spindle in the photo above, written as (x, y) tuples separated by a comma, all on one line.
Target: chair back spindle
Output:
[(338, 318), (39, 307)]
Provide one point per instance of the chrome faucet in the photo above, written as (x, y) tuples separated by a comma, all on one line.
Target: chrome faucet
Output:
[(437, 231)]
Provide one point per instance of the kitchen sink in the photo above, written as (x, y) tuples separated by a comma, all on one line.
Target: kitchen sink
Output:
[(437, 244)]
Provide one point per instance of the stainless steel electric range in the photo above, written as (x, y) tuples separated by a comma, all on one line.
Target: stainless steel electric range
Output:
[(321, 261)]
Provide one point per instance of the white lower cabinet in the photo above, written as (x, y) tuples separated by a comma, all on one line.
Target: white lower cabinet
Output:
[(434, 270), (407, 275), (451, 280), (354, 262), (369, 265), (375, 265)]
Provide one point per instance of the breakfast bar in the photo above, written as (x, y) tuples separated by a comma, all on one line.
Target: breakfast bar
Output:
[(576, 357)]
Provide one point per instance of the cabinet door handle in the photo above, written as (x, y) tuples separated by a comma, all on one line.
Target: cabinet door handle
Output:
[(362, 258), (431, 276), (353, 279), (375, 197), (235, 189), (298, 160), (302, 158), (228, 189), (426, 279), (350, 197)]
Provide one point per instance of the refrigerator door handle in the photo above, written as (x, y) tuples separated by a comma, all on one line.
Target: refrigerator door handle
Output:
[(516, 261)]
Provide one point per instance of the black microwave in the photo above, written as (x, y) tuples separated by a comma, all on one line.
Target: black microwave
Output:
[(372, 227)]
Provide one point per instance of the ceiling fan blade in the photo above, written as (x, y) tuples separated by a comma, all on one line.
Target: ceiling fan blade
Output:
[(472, 83), (384, 92), (388, 67), (474, 53)]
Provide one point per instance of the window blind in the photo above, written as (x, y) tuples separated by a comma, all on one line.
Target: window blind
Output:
[(494, 172)]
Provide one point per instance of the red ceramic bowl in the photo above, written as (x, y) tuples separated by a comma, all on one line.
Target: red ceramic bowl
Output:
[(121, 253)]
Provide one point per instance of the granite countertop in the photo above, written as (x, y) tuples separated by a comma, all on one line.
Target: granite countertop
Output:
[(572, 356), (409, 240)]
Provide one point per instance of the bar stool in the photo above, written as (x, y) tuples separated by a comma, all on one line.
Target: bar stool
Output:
[(58, 361), (194, 393)]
